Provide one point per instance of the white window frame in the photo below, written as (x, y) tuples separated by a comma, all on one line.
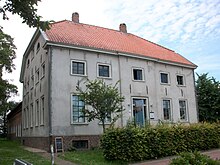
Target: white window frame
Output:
[(42, 110), (137, 68), (186, 110), (168, 78), (37, 113), (71, 112), (110, 70), (184, 82), (78, 61), (170, 115)]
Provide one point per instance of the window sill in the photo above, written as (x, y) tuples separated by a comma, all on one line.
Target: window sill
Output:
[(107, 123), (42, 77), (100, 77), (181, 85), (80, 75), (138, 80), (86, 123), (165, 84)]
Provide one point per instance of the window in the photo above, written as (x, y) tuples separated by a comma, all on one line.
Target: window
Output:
[(104, 70), (138, 74), (38, 47), (78, 67), (42, 111), (182, 106), (43, 70), (32, 81), (80, 144), (37, 113), (27, 117), (31, 114), (28, 63), (164, 78), (180, 80), (77, 110), (37, 76), (166, 110)]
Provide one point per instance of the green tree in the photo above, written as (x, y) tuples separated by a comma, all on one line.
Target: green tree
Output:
[(5, 107), (104, 99), (26, 9), (208, 95)]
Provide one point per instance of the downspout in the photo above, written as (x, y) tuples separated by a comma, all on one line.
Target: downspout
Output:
[(119, 67), (49, 94), (196, 99)]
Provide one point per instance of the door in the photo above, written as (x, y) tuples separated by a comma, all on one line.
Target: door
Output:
[(139, 111)]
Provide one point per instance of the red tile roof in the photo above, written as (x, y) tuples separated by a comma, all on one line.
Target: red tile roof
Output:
[(83, 35)]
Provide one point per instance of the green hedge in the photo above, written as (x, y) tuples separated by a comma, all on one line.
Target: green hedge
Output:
[(132, 144)]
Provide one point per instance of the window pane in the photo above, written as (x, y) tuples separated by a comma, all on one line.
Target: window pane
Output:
[(164, 77), (78, 106), (179, 80), (103, 70), (182, 105), (166, 109), (137, 74), (78, 68)]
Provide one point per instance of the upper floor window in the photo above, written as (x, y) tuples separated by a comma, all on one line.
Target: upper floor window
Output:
[(180, 80), (183, 111), (42, 70), (78, 105), (37, 75), (138, 74), (166, 110), (38, 47), (78, 67), (164, 78), (28, 63), (104, 70)]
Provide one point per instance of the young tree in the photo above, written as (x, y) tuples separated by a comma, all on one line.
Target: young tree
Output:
[(104, 99), (208, 95), (26, 9)]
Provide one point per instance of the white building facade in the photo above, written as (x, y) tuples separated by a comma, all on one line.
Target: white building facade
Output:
[(157, 88)]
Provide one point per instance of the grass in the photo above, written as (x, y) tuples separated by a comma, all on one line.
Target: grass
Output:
[(11, 150), (89, 157)]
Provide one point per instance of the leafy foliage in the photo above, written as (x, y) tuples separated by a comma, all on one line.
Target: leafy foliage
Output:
[(26, 9), (104, 99), (134, 143), (208, 91), (193, 158)]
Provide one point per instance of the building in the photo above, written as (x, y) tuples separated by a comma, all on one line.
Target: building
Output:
[(14, 123), (158, 84)]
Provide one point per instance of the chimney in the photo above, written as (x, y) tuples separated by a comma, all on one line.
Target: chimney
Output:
[(123, 28), (75, 17)]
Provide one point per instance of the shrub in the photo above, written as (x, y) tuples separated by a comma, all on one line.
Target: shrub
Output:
[(193, 158), (134, 143)]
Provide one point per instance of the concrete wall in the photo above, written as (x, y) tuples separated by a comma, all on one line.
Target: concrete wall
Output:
[(64, 84), (33, 91)]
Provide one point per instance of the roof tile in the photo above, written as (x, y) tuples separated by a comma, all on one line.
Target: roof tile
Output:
[(78, 34)]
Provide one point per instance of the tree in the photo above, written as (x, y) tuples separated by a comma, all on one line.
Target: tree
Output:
[(5, 107), (104, 99), (26, 9), (208, 95), (7, 55)]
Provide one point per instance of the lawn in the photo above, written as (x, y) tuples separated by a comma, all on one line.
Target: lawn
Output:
[(10, 150), (89, 157)]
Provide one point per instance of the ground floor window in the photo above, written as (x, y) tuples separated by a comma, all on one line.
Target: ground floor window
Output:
[(80, 144), (139, 111), (166, 110), (77, 110), (183, 111)]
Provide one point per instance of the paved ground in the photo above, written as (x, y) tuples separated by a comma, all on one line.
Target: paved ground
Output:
[(214, 154)]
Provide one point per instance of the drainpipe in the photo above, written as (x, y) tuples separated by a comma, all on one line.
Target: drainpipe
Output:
[(119, 67), (49, 94)]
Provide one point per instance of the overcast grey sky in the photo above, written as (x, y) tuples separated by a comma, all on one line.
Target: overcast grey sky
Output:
[(189, 27)]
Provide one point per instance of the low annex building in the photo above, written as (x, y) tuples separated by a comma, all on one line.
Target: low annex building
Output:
[(158, 84)]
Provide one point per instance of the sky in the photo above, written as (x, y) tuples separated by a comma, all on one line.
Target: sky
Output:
[(189, 27)]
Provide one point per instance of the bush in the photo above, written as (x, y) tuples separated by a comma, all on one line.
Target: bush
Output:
[(194, 158), (134, 143)]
